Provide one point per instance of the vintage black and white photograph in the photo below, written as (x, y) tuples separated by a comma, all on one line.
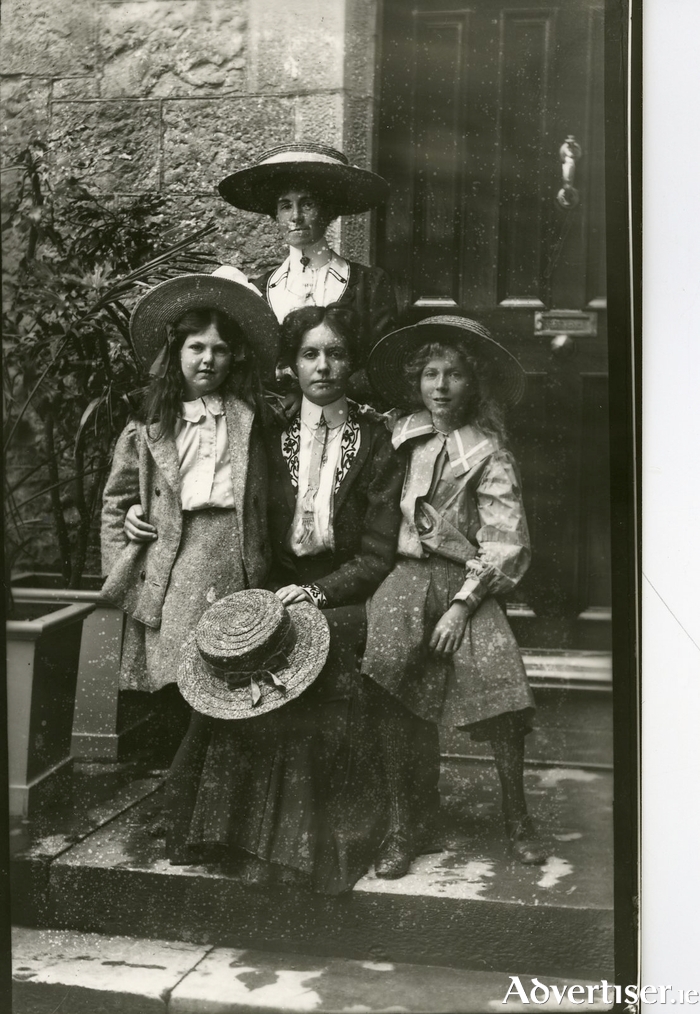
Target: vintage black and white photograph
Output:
[(319, 526)]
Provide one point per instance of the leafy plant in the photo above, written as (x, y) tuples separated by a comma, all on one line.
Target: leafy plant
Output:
[(70, 375)]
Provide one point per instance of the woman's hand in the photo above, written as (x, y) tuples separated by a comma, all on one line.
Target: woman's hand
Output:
[(293, 593), (449, 630), (136, 528), (291, 403)]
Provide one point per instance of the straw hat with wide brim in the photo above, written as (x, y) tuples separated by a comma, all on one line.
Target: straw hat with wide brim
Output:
[(346, 188), (164, 304), (249, 654), (389, 358)]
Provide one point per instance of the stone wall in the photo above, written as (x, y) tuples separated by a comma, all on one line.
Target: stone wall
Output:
[(170, 95)]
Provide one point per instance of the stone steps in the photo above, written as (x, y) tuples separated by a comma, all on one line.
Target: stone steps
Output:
[(469, 907), (86, 973)]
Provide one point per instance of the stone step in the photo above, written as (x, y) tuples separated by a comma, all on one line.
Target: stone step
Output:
[(469, 906), (87, 973)]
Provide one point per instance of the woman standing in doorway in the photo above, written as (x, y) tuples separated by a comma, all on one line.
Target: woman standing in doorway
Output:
[(304, 187)]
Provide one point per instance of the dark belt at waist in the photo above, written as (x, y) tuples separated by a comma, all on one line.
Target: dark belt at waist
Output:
[(207, 510)]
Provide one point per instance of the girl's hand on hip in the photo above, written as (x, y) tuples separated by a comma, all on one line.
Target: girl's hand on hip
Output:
[(449, 630), (293, 593), (136, 528)]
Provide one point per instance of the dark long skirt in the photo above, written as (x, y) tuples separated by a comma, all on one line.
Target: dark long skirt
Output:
[(298, 787)]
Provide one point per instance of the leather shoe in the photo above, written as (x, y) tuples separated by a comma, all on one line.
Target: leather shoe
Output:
[(525, 844), (395, 855)]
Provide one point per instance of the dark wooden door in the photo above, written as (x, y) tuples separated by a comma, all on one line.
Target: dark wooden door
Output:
[(476, 101)]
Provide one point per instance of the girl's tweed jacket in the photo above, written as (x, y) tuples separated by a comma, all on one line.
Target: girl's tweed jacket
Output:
[(145, 470)]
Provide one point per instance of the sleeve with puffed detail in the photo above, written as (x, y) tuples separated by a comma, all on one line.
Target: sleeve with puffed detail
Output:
[(504, 543)]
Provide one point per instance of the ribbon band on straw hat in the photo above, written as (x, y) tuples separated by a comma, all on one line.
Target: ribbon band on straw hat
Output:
[(235, 675), (348, 189), (249, 654), (386, 366)]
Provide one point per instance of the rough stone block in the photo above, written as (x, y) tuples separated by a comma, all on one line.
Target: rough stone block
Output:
[(357, 130), (172, 47), (297, 46), (205, 139), (85, 971), (47, 38), (24, 103), (113, 146), (248, 241), (320, 118), (355, 238), (76, 88), (361, 28)]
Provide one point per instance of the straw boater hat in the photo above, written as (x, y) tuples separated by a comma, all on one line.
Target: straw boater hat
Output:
[(388, 359), (249, 654), (348, 189), (226, 289)]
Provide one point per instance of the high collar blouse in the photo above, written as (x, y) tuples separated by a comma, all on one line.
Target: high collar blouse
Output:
[(201, 441), (335, 416), (320, 282)]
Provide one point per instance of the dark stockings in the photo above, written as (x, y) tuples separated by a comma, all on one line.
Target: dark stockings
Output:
[(410, 750), (425, 750), (509, 754), (396, 757)]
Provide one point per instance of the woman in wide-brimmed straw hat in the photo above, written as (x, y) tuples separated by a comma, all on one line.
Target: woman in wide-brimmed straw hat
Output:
[(304, 186), (183, 520), (439, 645)]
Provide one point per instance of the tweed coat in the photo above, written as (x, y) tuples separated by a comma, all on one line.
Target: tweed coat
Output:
[(366, 513), (145, 470)]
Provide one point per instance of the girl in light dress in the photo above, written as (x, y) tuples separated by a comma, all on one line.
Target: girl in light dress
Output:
[(439, 645)]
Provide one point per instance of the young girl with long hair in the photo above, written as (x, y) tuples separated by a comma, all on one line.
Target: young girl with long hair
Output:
[(439, 645), (183, 521)]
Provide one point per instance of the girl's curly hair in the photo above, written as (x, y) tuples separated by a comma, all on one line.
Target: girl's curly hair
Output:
[(483, 409), (162, 400)]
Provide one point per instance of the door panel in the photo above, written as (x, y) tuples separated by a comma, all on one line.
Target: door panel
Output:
[(476, 101)]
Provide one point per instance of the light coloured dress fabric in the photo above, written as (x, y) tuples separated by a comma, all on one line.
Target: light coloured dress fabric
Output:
[(319, 283), (203, 455), (463, 537)]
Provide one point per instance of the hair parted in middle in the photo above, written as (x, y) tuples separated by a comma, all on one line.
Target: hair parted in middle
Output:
[(483, 409), (162, 399), (294, 183), (341, 319)]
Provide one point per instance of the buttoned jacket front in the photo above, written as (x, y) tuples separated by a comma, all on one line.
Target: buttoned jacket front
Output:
[(145, 470), (366, 290)]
